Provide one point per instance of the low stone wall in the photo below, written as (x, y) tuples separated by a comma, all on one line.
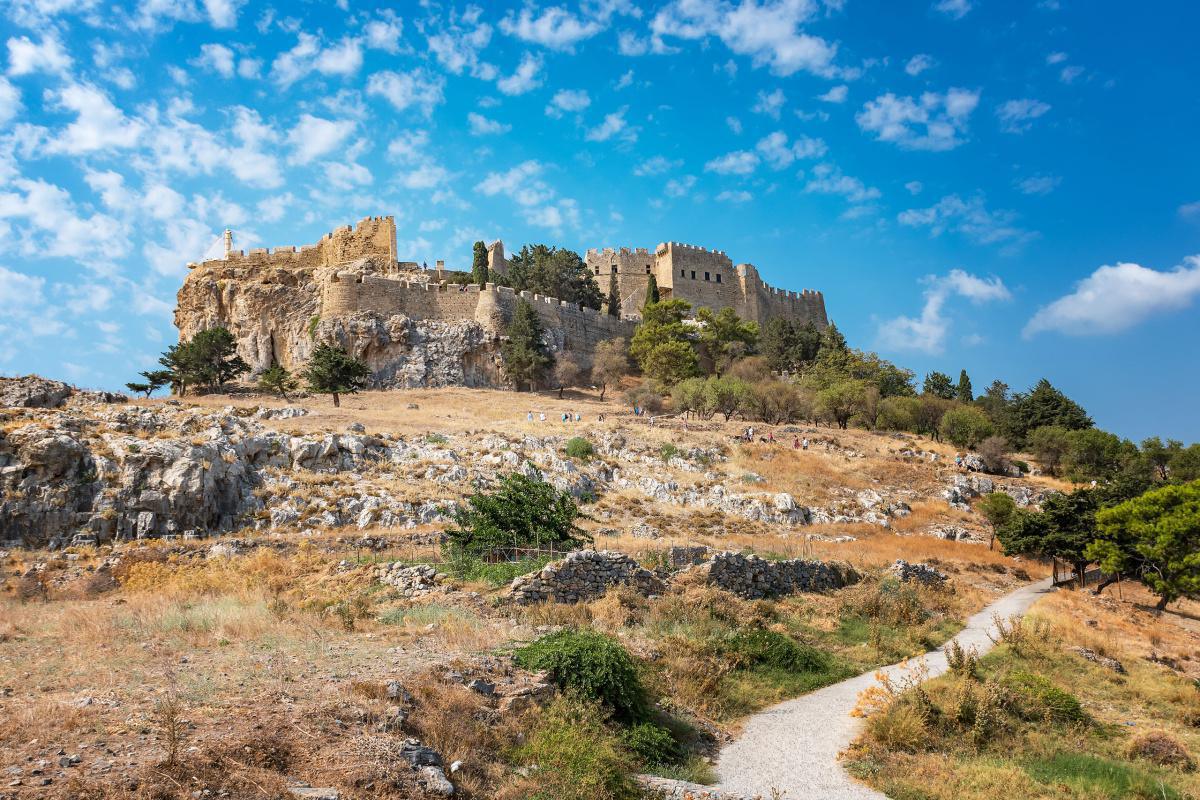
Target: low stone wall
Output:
[(922, 573), (584, 575), (670, 789), (754, 578)]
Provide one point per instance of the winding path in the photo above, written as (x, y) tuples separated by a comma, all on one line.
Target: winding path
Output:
[(793, 748)]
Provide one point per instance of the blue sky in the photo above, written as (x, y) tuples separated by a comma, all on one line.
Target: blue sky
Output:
[(1010, 187)]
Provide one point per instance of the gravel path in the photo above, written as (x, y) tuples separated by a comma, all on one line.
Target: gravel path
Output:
[(793, 748)]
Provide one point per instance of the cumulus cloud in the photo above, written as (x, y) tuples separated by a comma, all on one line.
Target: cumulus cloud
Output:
[(482, 126), (1116, 298), (1039, 184), (679, 187), (1190, 211), (567, 101), (771, 33), (931, 122), (614, 124), (414, 89), (54, 226), (769, 103), (347, 176), (1017, 116), (928, 332), (25, 57), (10, 101), (555, 27), (313, 137), (311, 54), (828, 179), (739, 162), (779, 153), (98, 125), (919, 63), (656, 165), (738, 196), (837, 94), (955, 9), (384, 34), (971, 218), (216, 57), (526, 78), (458, 45)]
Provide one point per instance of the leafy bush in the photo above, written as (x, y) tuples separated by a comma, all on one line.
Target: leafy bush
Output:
[(579, 447), (652, 744), (577, 757), (669, 451), (966, 426), (769, 648), (523, 512), (1041, 698), (592, 664)]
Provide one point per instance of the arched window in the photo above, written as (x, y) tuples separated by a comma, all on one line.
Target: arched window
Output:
[(614, 269)]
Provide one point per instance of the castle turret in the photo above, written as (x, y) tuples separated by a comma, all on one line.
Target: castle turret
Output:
[(228, 242)]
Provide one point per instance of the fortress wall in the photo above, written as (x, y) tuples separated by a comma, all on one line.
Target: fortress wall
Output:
[(797, 306), (372, 236), (633, 268)]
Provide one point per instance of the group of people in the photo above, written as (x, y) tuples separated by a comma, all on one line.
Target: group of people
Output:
[(748, 436), (567, 416)]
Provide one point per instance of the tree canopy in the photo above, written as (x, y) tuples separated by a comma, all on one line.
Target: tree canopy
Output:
[(526, 356), (662, 344), (552, 272), (333, 371), (522, 512)]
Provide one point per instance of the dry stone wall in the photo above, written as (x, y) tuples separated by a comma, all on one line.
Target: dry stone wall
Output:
[(584, 575), (756, 578)]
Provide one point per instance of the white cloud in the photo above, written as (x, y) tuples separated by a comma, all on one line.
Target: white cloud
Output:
[(914, 187), (526, 78), (1190, 210), (679, 187), (217, 57), (345, 58), (54, 226), (384, 34), (1115, 298), (770, 104), (223, 13), (10, 101), (567, 101), (25, 57), (406, 90), (969, 217), (625, 81), (314, 137), (613, 125), (779, 154), (522, 183), (429, 175), (928, 332), (482, 126), (919, 63), (828, 179), (1039, 184), (955, 9), (554, 27), (739, 162), (837, 94), (657, 165), (1070, 73), (458, 46), (739, 196), (1017, 116), (347, 176), (770, 33), (932, 122), (1056, 58), (98, 124)]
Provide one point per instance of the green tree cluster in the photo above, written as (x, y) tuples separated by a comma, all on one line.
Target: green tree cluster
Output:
[(553, 272), (526, 356), (663, 345), (522, 512), (333, 371), (208, 360)]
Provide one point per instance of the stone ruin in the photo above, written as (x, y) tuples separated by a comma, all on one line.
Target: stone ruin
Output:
[(584, 575), (756, 578)]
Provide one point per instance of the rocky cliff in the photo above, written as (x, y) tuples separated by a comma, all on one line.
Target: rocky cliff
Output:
[(275, 314)]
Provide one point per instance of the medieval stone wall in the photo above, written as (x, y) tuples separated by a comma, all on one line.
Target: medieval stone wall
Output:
[(372, 236), (632, 268)]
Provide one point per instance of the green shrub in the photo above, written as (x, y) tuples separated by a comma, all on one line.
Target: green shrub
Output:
[(577, 756), (579, 447), (669, 451), (762, 647), (652, 744), (1039, 697), (522, 512), (592, 664)]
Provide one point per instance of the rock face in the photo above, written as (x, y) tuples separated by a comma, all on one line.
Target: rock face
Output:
[(584, 575), (275, 313), (33, 391), (755, 578)]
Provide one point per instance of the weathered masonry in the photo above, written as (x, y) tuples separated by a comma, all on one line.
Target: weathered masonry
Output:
[(702, 278)]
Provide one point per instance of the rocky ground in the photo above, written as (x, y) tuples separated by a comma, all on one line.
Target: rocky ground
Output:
[(240, 596)]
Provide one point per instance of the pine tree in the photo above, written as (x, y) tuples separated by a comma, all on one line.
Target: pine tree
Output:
[(938, 384), (526, 357), (479, 264), (965, 394), (333, 371), (614, 298), (651, 291), (278, 380)]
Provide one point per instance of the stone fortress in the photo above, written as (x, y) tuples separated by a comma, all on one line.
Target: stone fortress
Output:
[(415, 329)]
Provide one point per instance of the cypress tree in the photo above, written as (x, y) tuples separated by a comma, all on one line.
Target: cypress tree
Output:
[(614, 298), (651, 291), (965, 393), (526, 357), (479, 264)]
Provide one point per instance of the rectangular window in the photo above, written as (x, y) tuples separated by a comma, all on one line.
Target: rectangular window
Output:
[(693, 274), (614, 269), (706, 276), (683, 273), (718, 277)]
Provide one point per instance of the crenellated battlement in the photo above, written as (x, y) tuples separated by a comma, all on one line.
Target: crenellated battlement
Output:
[(371, 236)]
